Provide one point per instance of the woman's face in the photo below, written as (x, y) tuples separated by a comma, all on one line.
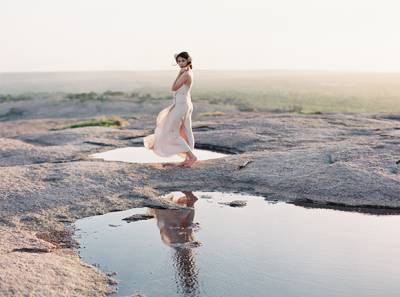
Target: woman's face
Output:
[(182, 62)]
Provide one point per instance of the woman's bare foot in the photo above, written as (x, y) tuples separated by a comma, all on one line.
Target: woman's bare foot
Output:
[(190, 162), (183, 164), (174, 164)]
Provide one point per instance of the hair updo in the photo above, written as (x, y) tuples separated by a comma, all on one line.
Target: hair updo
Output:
[(186, 56)]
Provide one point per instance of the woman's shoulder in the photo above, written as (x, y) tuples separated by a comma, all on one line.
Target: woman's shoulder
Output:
[(188, 74)]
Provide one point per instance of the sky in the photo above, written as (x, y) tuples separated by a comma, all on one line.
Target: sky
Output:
[(86, 35)]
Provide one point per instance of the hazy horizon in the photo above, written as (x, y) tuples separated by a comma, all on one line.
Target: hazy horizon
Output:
[(105, 35), (394, 72)]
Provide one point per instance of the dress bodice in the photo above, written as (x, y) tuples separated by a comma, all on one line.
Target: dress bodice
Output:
[(184, 89)]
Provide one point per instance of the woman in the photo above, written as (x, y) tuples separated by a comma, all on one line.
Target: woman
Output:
[(173, 134)]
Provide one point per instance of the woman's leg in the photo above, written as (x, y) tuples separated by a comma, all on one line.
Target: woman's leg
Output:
[(187, 131), (184, 133), (185, 137)]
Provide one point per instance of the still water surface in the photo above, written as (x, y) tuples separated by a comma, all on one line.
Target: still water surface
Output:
[(261, 249), (144, 155)]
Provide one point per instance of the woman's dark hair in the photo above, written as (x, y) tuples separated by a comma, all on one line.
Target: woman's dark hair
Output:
[(186, 56)]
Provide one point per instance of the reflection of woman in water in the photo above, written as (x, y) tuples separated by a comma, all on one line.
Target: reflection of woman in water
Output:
[(175, 225), (176, 230)]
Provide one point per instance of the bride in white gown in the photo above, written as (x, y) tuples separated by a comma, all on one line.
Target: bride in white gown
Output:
[(173, 134)]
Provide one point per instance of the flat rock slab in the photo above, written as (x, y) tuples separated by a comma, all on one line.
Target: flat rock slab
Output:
[(337, 158), (48, 181), (30, 266)]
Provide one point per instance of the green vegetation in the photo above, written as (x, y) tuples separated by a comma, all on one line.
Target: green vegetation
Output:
[(138, 97), (113, 93), (312, 102), (114, 122), (86, 96), (299, 100), (12, 98), (148, 97), (305, 92), (212, 113), (95, 96)]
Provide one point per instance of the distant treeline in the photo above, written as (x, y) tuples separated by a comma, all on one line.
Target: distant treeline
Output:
[(10, 98), (110, 94)]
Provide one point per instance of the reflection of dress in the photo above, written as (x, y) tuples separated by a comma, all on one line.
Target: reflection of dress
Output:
[(176, 225), (173, 134)]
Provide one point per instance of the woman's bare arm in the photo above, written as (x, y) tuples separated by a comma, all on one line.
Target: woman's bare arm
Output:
[(173, 84), (180, 80)]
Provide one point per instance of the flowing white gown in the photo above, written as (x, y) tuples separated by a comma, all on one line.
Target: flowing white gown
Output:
[(173, 134)]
